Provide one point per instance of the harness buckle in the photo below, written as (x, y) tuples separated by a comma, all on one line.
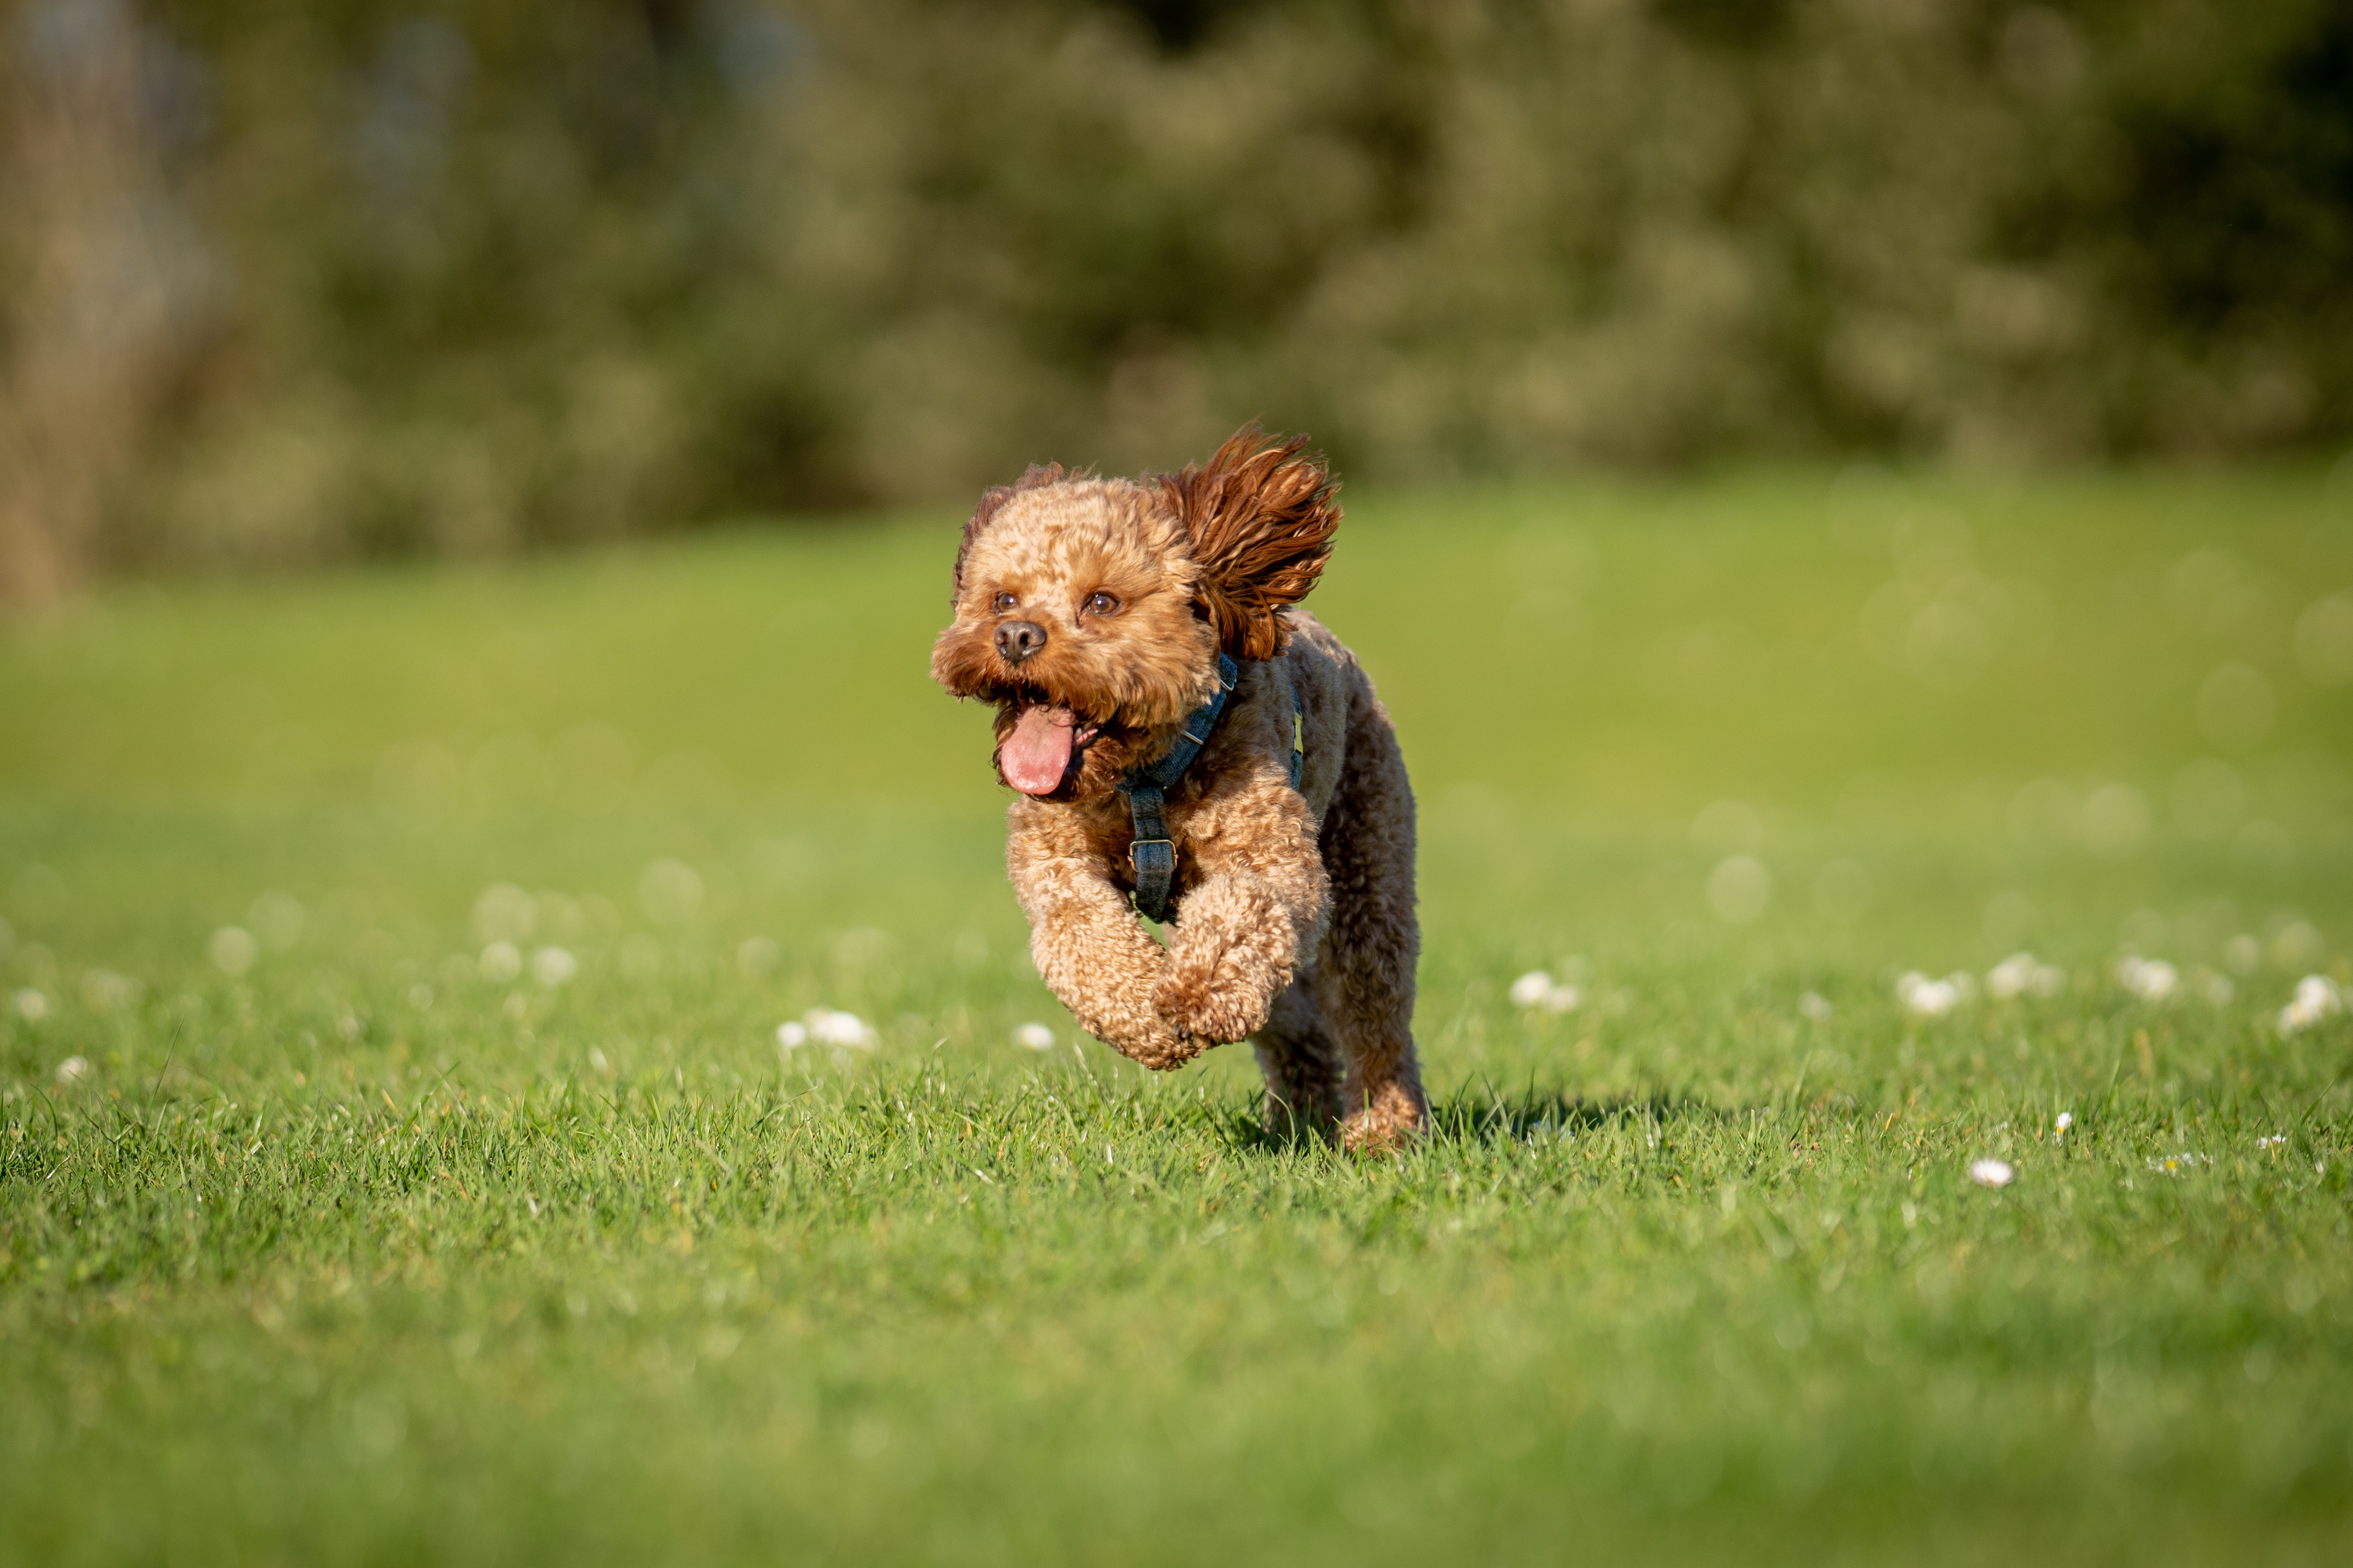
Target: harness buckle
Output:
[(1165, 859)]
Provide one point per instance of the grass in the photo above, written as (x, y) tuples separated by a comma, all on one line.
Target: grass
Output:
[(364, 1255)]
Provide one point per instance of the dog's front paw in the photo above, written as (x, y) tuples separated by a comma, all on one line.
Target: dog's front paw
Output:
[(1139, 1033), (1219, 1000), (1162, 1047)]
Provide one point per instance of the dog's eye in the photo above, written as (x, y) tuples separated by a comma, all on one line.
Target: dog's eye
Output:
[(1101, 605), (1005, 602)]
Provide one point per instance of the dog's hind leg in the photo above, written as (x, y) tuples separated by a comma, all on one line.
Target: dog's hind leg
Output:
[(1363, 978), (1300, 1062)]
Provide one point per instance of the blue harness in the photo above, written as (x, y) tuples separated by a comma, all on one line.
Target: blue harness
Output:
[(1153, 856)]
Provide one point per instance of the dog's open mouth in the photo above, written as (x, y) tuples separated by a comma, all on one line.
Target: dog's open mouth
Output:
[(1037, 755)]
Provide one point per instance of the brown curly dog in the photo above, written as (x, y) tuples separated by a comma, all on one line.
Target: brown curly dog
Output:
[(1181, 735)]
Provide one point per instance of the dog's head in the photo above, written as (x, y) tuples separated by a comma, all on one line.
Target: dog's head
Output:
[(1091, 611)]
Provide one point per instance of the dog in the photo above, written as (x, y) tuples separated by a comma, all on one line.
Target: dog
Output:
[(1187, 744)]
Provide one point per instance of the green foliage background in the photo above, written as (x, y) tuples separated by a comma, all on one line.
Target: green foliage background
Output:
[(478, 275)]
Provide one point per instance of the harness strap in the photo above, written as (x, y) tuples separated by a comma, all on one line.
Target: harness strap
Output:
[(1153, 856)]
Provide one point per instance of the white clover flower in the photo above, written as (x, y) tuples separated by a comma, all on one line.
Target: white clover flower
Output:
[(1992, 1173), (1563, 999), (1938, 997), (2022, 973), (2066, 1120), (1926, 997), (1033, 1037), (2316, 998), (841, 1030), (501, 961), (233, 950), (2271, 1142), (2150, 979), (2011, 976), (1530, 989), (1814, 1005), (72, 1070), (31, 1005), (554, 966), (792, 1036)]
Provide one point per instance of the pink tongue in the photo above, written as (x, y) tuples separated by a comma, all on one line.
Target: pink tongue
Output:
[(1037, 751)]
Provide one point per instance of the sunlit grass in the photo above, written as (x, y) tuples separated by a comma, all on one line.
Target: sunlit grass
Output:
[(435, 1183)]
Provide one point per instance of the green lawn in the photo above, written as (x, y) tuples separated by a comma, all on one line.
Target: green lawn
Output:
[(397, 1245)]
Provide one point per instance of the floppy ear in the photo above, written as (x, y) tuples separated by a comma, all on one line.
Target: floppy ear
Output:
[(991, 501), (1261, 514)]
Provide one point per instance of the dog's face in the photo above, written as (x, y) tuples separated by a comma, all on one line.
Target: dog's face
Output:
[(1075, 616), (1091, 611)]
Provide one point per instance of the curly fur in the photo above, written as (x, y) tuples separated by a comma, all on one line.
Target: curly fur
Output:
[(1293, 909)]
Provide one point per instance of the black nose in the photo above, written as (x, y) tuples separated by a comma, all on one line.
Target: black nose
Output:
[(1016, 640)]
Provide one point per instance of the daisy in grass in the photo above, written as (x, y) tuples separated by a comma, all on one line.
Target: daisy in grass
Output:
[(1933, 998), (2150, 979), (825, 1027), (2316, 998), (1536, 990), (2022, 973)]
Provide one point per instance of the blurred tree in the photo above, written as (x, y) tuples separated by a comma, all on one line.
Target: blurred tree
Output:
[(521, 271), (103, 282), (2215, 218)]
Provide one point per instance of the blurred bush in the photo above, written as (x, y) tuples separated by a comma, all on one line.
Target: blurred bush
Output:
[(288, 283)]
